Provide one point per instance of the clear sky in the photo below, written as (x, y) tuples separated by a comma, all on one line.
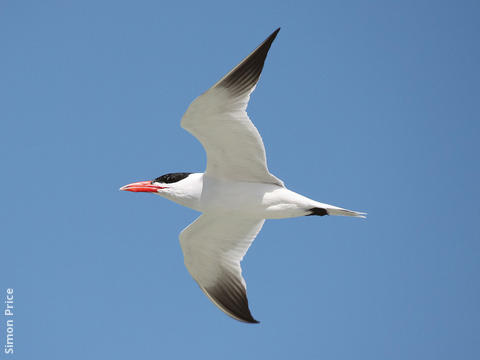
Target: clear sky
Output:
[(373, 106)]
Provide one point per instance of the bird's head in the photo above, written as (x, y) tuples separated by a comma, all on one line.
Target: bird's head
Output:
[(159, 185)]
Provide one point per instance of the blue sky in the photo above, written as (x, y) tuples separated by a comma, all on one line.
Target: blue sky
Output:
[(372, 105)]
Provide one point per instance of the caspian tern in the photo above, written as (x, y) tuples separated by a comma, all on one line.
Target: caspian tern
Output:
[(235, 194)]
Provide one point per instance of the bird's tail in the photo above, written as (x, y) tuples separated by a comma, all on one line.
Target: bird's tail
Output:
[(344, 212), (326, 209)]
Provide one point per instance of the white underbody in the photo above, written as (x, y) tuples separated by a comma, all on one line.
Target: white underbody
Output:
[(264, 201)]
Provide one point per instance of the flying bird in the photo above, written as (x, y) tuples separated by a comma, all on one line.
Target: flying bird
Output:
[(235, 194)]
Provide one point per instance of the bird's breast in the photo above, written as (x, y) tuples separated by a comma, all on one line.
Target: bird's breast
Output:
[(266, 201)]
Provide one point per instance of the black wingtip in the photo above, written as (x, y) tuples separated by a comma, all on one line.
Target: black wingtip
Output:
[(231, 297), (245, 75), (268, 41), (250, 320)]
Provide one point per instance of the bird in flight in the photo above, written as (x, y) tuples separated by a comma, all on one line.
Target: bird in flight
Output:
[(235, 194)]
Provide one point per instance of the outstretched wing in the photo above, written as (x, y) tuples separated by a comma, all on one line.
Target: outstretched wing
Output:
[(218, 119), (213, 246)]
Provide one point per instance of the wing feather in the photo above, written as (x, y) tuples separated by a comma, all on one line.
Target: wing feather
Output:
[(213, 247), (218, 119)]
